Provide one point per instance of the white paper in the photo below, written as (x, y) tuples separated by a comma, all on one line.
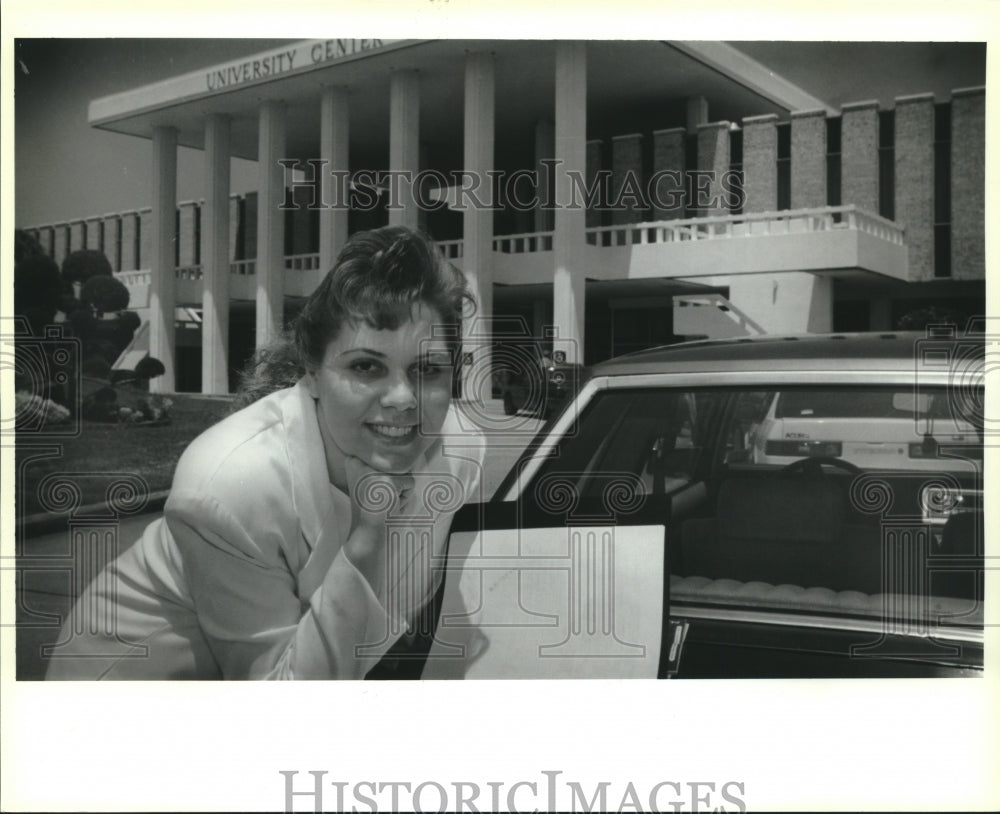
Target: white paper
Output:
[(561, 602)]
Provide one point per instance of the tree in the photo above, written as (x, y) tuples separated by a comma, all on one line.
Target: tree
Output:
[(920, 318), (149, 368), (81, 265), (37, 291), (26, 246), (105, 294)]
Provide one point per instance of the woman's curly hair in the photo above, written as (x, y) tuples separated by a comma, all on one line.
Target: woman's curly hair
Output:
[(378, 277)]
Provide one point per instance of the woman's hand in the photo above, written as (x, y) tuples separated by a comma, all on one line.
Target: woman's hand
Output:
[(374, 496)]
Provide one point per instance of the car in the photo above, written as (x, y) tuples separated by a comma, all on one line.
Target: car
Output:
[(885, 428), (535, 379), (733, 509)]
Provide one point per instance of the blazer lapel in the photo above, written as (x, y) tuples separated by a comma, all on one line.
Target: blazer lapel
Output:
[(306, 462)]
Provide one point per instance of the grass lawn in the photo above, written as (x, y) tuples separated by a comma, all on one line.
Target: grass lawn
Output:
[(150, 452)]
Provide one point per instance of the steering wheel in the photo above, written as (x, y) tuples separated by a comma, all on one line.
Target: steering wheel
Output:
[(813, 466)]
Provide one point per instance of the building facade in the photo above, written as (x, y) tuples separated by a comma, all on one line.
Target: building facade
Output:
[(610, 195)]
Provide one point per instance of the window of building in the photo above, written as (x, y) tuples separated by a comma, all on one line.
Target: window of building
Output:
[(137, 245), (117, 251), (886, 164), (736, 178), (942, 190), (784, 165), (833, 175), (197, 235)]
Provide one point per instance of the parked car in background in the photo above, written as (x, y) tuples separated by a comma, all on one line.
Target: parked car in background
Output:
[(889, 428), (536, 380), (816, 504)]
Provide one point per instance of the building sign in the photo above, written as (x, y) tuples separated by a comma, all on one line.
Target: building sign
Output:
[(291, 60), (275, 63)]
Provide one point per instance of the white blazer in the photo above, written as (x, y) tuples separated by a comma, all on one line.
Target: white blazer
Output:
[(244, 577)]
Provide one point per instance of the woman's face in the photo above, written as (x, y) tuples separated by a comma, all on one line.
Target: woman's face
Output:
[(383, 395)]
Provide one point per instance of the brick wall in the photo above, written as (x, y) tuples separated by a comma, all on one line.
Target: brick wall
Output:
[(130, 238), (60, 242), (111, 228), (46, 237), (914, 200), (626, 167), (94, 237), (77, 235), (968, 167), (713, 157), (668, 156), (859, 155), (760, 163), (808, 159)]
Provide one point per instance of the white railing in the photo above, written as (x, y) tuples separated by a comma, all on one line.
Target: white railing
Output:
[(714, 227), (450, 249), (520, 244), (791, 221), (243, 268), (301, 262), (724, 306), (132, 278)]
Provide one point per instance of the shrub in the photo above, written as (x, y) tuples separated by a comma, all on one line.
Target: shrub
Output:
[(149, 368), (96, 367), (25, 246), (920, 318), (129, 321), (30, 407), (81, 265), (37, 291), (104, 348), (105, 294)]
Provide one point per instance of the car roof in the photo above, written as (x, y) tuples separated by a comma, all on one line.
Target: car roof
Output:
[(898, 351)]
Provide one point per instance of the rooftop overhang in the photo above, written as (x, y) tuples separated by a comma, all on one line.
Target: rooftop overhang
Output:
[(629, 85)]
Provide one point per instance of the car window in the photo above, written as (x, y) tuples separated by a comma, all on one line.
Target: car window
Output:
[(872, 428), (654, 435), (807, 500)]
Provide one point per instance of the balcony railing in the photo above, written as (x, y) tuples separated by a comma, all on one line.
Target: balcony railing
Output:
[(791, 221), (135, 278), (301, 262), (243, 268), (714, 227), (450, 249), (521, 244)]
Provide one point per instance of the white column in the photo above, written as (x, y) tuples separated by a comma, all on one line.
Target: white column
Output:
[(270, 222), (215, 259), (162, 296), (404, 140), (570, 239), (477, 224), (334, 133)]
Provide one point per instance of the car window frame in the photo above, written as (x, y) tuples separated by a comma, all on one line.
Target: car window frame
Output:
[(534, 457)]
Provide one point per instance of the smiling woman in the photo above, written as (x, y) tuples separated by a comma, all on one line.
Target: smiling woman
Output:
[(303, 534)]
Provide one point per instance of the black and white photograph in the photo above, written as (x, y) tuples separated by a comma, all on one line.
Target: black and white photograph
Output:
[(575, 386)]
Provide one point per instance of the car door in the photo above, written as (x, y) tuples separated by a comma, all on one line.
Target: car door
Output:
[(815, 569)]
